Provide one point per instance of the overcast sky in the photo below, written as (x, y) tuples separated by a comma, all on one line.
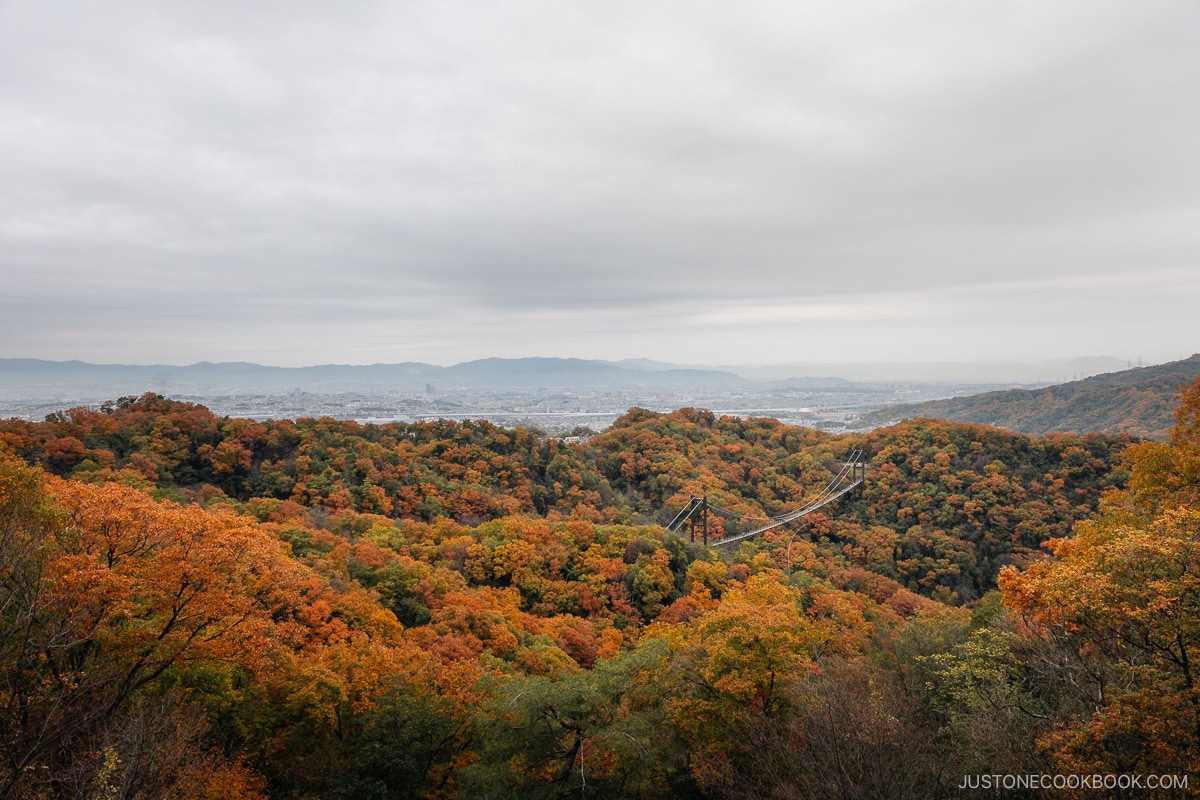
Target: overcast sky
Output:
[(297, 183)]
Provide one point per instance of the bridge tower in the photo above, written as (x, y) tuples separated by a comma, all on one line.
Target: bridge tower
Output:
[(852, 474)]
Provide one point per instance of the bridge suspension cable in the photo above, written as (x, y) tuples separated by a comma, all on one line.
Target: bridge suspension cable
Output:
[(852, 473)]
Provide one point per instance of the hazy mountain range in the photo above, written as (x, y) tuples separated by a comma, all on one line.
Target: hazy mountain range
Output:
[(26, 377), (32, 376)]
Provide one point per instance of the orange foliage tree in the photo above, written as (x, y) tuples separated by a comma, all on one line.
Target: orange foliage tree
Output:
[(102, 591), (1122, 598)]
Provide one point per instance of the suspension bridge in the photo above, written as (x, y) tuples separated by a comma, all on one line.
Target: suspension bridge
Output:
[(695, 513)]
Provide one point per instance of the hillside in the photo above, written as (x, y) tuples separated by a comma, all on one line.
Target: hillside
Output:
[(204, 606), (1139, 402), (960, 500)]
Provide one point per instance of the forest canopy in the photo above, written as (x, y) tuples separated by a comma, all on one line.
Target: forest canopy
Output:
[(201, 606)]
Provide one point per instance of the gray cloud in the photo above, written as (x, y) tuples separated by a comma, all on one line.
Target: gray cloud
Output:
[(296, 183)]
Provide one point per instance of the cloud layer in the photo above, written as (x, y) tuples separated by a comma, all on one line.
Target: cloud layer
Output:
[(298, 183)]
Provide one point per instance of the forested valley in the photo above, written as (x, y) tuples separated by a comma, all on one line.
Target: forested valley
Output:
[(194, 606)]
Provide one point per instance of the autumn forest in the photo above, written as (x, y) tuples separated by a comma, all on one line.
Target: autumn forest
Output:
[(194, 606)]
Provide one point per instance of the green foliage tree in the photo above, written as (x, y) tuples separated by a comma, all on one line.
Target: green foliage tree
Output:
[(600, 732)]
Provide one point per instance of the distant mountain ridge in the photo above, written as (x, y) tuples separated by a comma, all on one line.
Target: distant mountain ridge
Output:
[(1139, 402), (25, 375)]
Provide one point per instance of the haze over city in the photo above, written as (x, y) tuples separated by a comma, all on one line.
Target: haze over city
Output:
[(296, 184)]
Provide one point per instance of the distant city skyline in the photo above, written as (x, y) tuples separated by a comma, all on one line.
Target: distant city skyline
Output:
[(768, 183)]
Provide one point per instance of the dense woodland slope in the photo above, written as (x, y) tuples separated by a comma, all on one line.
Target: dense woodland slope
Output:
[(960, 500), (194, 606), (1138, 402)]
